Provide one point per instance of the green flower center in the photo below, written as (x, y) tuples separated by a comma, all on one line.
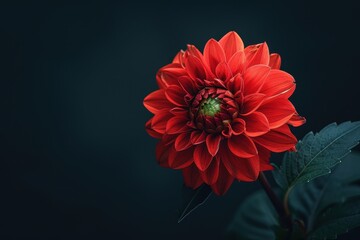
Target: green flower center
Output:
[(210, 107)]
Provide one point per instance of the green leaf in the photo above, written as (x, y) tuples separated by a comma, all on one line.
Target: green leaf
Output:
[(255, 219), (192, 199), (279, 177), (317, 154), (336, 220), (329, 205)]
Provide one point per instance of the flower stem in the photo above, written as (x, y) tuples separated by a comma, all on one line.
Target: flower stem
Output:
[(284, 217)]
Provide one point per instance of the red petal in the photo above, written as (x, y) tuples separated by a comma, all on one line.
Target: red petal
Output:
[(213, 54), (224, 181), (251, 103), (179, 111), (195, 68), (202, 157), (261, 56), (241, 168), (192, 50), (278, 112), (198, 137), (275, 61), (236, 84), (238, 126), (231, 43), (157, 101), (237, 62), (183, 142), (187, 84), (175, 94), (242, 146), (182, 159), (177, 124), (168, 139), (192, 177), (169, 74), (150, 131), (250, 51), (296, 120), (227, 131), (223, 72), (264, 157), (162, 154), (179, 58), (159, 121), (254, 78), (256, 124), (212, 143), (210, 175), (277, 82), (277, 140)]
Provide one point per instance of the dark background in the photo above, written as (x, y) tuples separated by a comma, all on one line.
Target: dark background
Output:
[(76, 162)]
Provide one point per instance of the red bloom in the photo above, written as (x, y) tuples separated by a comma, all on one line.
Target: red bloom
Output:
[(219, 114)]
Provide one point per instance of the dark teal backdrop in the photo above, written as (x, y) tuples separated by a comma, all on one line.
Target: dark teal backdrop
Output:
[(75, 160)]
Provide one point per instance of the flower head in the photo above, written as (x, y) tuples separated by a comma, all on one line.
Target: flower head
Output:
[(219, 114)]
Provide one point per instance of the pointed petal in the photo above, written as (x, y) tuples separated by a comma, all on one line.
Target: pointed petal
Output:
[(250, 51), (224, 181), (254, 78), (278, 112), (211, 174), (213, 143), (162, 154), (177, 124), (187, 85), (159, 121), (238, 126), (227, 131), (168, 139), (195, 68), (192, 177), (260, 56), (277, 82), (242, 146), (182, 141), (256, 124), (264, 157), (180, 159), (175, 95), (236, 84), (198, 137), (157, 101), (169, 74), (275, 61), (251, 103), (237, 62), (296, 120), (179, 57), (202, 157), (231, 43), (192, 50), (223, 72), (240, 168), (150, 131), (277, 140), (213, 54), (179, 111)]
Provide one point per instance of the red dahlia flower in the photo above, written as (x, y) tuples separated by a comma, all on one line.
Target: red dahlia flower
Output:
[(219, 114)]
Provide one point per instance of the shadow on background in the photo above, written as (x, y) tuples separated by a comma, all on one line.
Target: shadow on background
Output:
[(75, 159)]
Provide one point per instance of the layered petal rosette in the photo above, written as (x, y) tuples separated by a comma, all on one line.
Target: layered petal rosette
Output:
[(221, 112)]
